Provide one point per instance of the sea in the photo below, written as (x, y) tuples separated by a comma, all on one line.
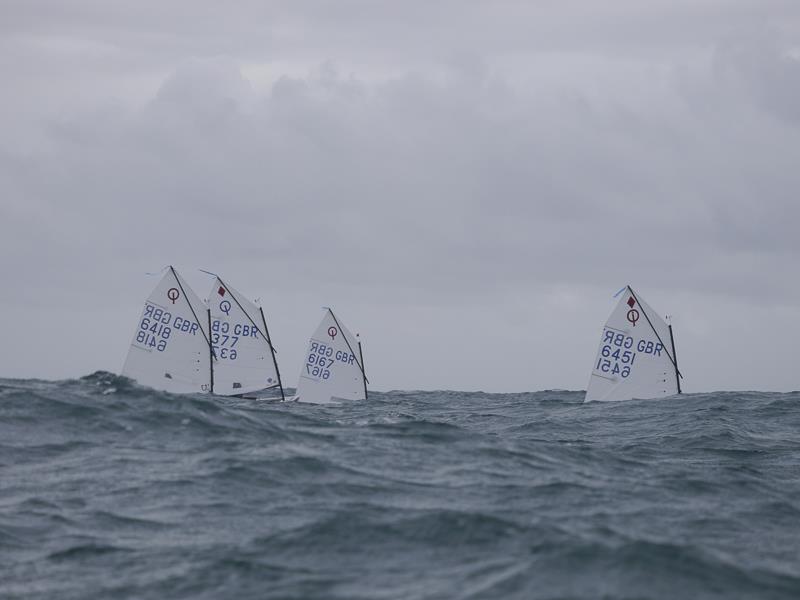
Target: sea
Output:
[(111, 490)]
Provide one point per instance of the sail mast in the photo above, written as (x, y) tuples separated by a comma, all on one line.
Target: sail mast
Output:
[(272, 350), (211, 352), (363, 369), (677, 373)]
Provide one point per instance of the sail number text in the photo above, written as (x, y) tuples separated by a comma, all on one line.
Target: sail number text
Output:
[(225, 336), (157, 325), (618, 352), (322, 357)]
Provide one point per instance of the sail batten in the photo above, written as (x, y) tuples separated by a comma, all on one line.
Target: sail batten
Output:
[(633, 359), (332, 369)]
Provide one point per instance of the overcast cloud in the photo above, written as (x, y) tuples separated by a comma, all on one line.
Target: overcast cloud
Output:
[(466, 184)]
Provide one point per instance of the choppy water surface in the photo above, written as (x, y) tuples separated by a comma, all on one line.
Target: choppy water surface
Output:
[(108, 490)]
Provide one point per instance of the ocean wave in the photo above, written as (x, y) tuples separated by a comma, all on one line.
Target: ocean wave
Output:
[(112, 490)]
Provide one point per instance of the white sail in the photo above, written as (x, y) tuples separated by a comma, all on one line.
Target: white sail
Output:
[(332, 367), (243, 354), (636, 357), (170, 349)]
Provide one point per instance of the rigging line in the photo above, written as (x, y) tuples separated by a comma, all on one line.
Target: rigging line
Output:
[(360, 366), (194, 314), (663, 345)]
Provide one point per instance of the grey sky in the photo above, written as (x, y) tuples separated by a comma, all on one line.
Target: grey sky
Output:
[(466, 184)]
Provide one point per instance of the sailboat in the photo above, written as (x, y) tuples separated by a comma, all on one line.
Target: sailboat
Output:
[(171, 350), (636, 357), (244, 358), (332, 369)]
